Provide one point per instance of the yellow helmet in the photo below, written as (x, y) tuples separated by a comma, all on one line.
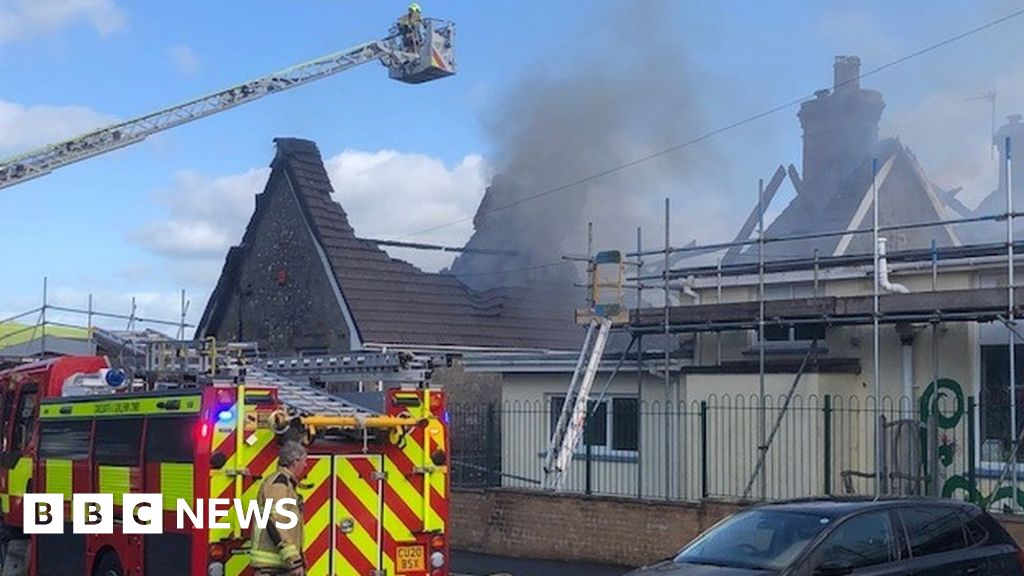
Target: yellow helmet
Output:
[(414, 7)]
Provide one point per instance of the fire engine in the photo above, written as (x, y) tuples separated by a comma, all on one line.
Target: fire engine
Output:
[(376, 490)]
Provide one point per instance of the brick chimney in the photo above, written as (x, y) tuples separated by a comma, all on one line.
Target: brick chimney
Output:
[(840, 130)]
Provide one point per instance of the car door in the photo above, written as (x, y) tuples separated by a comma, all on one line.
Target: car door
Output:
[(937, 542), (861, 545)]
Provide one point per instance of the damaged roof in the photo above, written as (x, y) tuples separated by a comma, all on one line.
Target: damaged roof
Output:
[(390, 301), (906, 196)]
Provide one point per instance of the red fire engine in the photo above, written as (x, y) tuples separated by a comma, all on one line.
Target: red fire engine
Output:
[(376, 490)]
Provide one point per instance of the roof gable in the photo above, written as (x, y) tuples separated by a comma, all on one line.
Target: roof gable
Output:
[(391, 302), (906, 196)]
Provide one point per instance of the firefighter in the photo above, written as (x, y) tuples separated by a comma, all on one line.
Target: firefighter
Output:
[(278, 551), (408, 27)]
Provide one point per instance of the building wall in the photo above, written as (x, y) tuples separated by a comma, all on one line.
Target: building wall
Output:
[(526, 429), (589, 529), (677, 459), (281, 290)]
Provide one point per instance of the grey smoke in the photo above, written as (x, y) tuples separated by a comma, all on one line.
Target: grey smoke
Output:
[(629, 90)]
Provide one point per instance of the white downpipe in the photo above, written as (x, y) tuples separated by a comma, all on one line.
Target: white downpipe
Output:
[(908, 379), (883, 272), (689, 291)]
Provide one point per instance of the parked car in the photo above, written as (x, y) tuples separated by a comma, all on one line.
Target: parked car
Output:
[(917, 537)]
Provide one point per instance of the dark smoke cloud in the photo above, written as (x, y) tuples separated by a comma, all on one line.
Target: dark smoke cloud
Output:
[(627, 91)]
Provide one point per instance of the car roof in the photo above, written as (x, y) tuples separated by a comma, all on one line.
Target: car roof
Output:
[(838, 507)]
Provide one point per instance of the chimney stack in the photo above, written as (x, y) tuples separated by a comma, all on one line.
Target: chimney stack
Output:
[(846, 74), (840, 130)]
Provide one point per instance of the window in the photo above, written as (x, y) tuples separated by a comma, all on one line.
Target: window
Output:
[(625, 424), (933, 530), (976, 533), (26, 418), (863, 540), (65, 440), (995, 400), (118, 441), (595, 431), (613, 424), (171, 439), (8, 400), (757, 540)]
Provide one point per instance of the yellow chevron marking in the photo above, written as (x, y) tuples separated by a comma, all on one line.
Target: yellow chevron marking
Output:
[(58, 477), (342, 565), (322, 566), (220, 481), (236, 564), (408, 494), (438, 479), (369, 498), (319, 520)]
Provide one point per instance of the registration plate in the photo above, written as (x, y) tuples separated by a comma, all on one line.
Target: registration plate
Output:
[(411, 559)]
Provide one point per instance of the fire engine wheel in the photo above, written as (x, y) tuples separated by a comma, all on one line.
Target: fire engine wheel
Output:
[(109, 565)]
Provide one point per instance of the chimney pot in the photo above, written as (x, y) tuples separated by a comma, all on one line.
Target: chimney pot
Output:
[(846, 75)]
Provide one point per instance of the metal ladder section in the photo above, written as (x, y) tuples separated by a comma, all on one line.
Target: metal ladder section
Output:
[(304, 398), (572, 420)]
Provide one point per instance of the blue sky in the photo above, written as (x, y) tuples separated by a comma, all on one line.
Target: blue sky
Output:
[(157, 217)]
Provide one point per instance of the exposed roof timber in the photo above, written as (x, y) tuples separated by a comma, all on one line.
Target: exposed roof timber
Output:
[(748, 227), (798, 264), (794, 177), (937, 204), (983, 304), (865, 204)]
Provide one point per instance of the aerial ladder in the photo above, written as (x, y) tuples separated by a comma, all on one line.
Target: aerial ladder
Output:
[(598, 318), (413, 53)]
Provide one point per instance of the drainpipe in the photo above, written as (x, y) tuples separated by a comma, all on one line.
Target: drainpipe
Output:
[(883, 272), (689, 291), (907, 349)]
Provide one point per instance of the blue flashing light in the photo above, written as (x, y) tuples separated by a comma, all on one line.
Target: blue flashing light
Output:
[(225, 415), (445, 418), (115, 377)]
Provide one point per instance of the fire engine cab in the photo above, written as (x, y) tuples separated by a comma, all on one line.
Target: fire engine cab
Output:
[(375, 493)]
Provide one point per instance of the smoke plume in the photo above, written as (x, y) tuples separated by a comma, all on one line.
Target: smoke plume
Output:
[(628, 91)]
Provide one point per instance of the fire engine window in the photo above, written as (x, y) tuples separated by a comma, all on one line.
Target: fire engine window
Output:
[(118, 441), (26, 417), (171, 439), (7, 400), (65, 440)]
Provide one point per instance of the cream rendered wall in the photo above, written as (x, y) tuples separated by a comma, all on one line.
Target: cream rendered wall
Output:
[(526, 433), (670, 457)]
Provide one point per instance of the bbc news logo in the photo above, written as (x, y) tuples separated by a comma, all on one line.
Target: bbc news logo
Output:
[(143, 513)]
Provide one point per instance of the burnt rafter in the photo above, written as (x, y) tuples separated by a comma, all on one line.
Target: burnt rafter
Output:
[(981, 304)]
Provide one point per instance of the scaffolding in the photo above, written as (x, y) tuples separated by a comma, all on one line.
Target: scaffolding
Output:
[(893, 449), (47, 320)]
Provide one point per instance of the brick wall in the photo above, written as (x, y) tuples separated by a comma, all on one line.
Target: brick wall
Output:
[(592, 529), (467, 388), (603, 530)]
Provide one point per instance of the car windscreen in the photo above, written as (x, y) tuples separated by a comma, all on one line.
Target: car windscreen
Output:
[(756, 539)]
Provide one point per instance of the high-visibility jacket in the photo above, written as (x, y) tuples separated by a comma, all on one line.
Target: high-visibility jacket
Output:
[(276, 549)]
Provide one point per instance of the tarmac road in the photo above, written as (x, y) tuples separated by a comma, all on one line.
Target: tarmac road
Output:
[(470, 564)]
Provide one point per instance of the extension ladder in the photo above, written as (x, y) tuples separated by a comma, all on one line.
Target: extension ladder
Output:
[(573, 418)]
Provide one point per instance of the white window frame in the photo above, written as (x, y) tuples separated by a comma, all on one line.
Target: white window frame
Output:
[(606, 450)]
